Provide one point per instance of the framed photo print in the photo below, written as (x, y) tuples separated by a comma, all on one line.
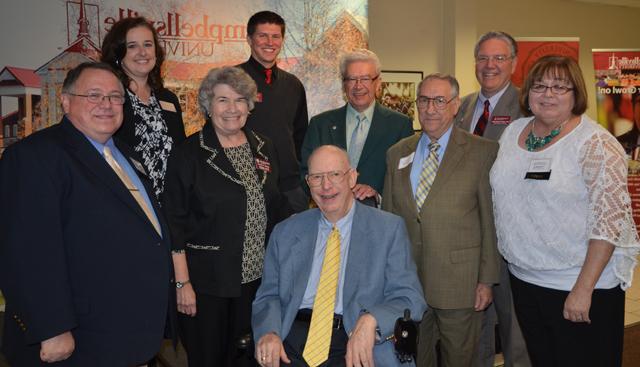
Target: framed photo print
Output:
[(398, 92)]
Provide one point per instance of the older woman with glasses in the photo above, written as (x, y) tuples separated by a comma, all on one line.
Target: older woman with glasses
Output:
[(221, 201), (563, 220)]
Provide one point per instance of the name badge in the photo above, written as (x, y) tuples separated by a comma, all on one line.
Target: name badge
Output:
[(259, 97), (167, 106), (501, 120), (539, 169), (405, 161), (263, 165)]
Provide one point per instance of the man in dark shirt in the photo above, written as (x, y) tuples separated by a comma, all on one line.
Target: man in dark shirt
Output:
[(281, 110)]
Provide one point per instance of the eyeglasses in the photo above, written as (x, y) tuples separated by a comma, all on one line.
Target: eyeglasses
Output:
[(438, 102), (365, 80), (555, 89), (335, 177), (498, 59), (116, 99)]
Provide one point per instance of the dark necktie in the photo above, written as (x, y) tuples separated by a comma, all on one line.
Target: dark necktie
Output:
[(268, 73), (483, 120)]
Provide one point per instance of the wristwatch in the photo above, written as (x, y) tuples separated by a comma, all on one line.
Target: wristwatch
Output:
[(182, 284)]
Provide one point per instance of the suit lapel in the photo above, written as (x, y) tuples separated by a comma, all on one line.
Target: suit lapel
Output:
[(85, 153), (377, 130), (338, 127), (258, 149), (304, 244), (217, 160), (452, 156), (358, 250), (408, 148), (468, 115)]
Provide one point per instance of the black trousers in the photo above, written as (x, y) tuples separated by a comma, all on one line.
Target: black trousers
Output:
[(553, 341), (210, 337), (294, 346)]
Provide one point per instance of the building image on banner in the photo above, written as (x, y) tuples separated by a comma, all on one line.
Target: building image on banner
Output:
[(196, 36)]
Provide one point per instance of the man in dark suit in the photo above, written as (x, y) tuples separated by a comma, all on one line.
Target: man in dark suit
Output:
[(361, 252), (496, 60), (280, 113), (363, 127), (439, 183), (84, 258)]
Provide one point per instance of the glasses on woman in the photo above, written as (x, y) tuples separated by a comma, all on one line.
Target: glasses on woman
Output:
[(555, 89), (335, 177), (438, 102)]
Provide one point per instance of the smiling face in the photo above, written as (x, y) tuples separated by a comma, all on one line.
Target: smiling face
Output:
[(361, 94), (140, 58), (266, 43), (492, 75), (549, 108), (98, 121), (228, 110), (333, 199), (434, 121)]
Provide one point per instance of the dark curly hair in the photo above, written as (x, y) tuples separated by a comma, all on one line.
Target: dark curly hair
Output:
[(114, 48)]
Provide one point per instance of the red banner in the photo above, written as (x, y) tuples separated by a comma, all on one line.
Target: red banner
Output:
[(530, 49)]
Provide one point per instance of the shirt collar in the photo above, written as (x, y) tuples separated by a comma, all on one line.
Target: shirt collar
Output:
[(258, 66), (343, 223), (368, 112), (495, 98)]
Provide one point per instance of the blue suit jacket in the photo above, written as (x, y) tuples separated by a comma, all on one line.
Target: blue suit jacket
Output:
[(78, 253), (380, 275)]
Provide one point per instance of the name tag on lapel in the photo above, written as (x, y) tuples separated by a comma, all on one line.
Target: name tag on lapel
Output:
[(405, 161), (167, 106), (263, 165), (259, 97), (501, 120), (138, 166)]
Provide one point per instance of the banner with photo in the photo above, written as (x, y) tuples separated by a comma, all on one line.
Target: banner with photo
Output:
[(196, 36), (617, 82), (530, 49)]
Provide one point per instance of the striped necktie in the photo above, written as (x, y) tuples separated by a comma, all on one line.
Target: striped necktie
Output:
[(126, 180), (316, 349), (428, 174)]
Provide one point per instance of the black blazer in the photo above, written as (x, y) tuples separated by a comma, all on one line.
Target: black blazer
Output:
[(175, 126), (205, 205), (78, 253)]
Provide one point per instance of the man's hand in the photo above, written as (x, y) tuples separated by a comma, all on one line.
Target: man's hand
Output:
[(484, 296), (270, 351), (361, 341), (577, 305), (362, 191), (186, 300), (58, 348)]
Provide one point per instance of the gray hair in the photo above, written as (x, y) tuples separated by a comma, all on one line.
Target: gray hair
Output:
[(359, 54), (232, 76), (506, 37), (69, 83), (453, 82)]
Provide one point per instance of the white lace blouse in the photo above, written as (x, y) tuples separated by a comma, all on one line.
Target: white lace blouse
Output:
[(544, 226)]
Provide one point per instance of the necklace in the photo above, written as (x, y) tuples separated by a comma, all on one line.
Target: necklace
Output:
[(534, 142)]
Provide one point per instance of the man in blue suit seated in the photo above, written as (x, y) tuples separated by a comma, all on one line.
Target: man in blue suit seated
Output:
[(335, 278)]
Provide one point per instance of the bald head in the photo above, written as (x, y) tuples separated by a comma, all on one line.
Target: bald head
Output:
[(330, 181)]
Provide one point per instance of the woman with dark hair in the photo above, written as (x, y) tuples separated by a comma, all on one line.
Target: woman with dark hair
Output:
[(563, 221), (152, 115)]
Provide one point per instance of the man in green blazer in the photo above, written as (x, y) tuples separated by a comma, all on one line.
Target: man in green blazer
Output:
[(363, 127), (439, 183)]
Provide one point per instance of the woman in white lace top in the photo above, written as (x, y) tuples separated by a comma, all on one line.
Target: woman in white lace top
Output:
[(564, 224)]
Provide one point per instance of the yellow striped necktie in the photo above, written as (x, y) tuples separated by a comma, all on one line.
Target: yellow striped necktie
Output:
[(316, 349), (428, 174), (126, 180)]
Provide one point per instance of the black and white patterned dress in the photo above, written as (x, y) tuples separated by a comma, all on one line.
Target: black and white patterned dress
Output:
[(243, 162), (154, 141)]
